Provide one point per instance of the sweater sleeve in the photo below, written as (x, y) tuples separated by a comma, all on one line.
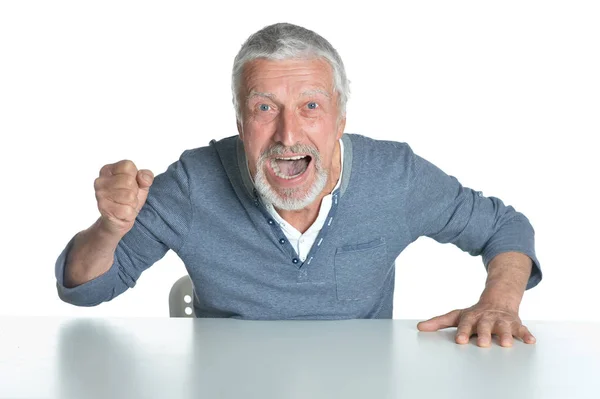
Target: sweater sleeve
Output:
[(162, 224), (439, 207)]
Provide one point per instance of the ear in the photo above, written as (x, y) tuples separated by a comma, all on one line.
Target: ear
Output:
[(341, 127), (240, 130)]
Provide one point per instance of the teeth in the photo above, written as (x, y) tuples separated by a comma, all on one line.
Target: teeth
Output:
[(293, 158)]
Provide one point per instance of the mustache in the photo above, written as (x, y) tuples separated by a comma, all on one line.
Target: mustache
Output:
[(279, 149)]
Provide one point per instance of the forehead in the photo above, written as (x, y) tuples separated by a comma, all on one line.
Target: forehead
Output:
[(268, 75)]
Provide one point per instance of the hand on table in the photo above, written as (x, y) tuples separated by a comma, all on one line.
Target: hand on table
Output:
[(483, 320)]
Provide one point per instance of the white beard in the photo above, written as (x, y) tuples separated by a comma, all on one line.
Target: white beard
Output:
[(290, 199)]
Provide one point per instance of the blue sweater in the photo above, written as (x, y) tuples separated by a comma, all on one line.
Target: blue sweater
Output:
[(204, 207)]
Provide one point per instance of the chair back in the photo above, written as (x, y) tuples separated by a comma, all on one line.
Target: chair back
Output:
[(181, 298)]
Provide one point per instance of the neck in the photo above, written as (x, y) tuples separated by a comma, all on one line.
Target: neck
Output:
[(303, 218)]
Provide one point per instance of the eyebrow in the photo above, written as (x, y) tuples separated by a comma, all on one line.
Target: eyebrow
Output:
[(274, 97), (313, 92), (260, 94)]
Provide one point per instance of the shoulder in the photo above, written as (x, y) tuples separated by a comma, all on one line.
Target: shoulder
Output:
[(379, 153), (367, 145), (208, 159)]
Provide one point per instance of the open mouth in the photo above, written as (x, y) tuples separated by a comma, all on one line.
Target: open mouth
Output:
[(290, 167)]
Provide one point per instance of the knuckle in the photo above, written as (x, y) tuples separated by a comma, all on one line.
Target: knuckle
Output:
[(119, 212), (102, 193), (130, 182), (105, 170), (123, 212), (101, 183), (521, 332), (503, 324), (515, 323), (130, 197), (127, 166), (463, 326), (130, 213), (515, 327), (125, 181), (116, 181), (468, 318), (117, 195), (105, 206)]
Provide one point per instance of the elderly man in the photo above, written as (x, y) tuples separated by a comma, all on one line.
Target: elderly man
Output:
[(292, 218)]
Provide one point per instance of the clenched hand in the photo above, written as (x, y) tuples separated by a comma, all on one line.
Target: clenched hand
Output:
[(121, 191)]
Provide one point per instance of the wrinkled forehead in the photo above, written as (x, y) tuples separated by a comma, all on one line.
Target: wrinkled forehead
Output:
[(265, 75)]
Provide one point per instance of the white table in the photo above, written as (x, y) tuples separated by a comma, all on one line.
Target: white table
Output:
[(187, 358)]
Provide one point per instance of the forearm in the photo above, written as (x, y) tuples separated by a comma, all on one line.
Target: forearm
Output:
[(92, 255), (508, 274)]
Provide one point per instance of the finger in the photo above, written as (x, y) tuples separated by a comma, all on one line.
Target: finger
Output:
[(525, 335), (504, 332), (464, 331), (116, 182), (123, 196), (123, 181), (125, 167), (484, 333), (114, 211), (145, 178), (449, 319), (106, 170)]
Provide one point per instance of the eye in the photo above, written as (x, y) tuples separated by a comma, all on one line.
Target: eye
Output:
[(312, 105), (264, 107)]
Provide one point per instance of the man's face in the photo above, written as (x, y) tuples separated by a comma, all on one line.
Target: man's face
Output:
[(290, 128)]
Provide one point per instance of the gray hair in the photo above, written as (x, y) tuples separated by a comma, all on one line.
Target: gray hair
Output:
[(284, 41)]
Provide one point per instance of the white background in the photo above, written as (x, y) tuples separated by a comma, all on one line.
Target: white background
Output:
[(502, 95)]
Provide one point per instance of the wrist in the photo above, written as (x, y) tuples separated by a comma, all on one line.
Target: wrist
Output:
[(502, 296), (103, 230), (508, 274)]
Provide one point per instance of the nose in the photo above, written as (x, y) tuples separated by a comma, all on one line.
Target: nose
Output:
[(289, 131)]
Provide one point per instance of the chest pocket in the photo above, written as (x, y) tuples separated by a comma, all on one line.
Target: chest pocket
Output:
[(360, 270)]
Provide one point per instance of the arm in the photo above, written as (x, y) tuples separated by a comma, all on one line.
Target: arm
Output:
[(497, 311), (91, 256), (508, 274), (438, 206), (97, 265)]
